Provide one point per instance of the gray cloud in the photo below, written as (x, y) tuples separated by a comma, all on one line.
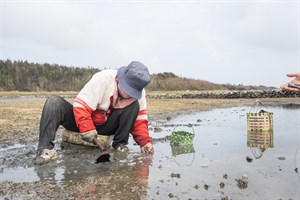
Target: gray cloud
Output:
[(227, 42)]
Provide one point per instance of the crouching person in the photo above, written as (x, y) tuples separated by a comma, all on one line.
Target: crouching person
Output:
[(113, 102)]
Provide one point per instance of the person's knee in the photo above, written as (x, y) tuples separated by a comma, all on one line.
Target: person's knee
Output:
[(55, 99)]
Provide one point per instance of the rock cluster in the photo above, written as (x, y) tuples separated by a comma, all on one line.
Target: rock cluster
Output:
[(245, 94)]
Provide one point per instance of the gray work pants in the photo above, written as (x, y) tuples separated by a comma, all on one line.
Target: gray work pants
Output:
[(57, 111)]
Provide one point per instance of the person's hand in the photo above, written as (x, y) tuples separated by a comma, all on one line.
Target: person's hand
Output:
[(88, 135), (148, 148), (295, 81)]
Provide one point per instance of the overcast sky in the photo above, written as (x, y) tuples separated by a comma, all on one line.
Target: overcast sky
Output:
[(238, 42)]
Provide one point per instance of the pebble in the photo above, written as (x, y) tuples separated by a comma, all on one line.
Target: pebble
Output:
[(249, 159), (281, 158), (176, 175), (206, 186), (242, 183), (205, 165), (222, 184)]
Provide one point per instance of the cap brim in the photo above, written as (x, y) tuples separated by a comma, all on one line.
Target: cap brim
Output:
[(132, 92)]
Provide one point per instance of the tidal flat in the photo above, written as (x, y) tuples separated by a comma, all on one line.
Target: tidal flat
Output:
[(216, 166)]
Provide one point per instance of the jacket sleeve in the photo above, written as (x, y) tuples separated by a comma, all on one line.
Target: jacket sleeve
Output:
[(87, 101), (140, 130), (82, 113)]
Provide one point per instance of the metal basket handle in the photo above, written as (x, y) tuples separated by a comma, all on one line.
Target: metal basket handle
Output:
[(258, 105), (188, 125)]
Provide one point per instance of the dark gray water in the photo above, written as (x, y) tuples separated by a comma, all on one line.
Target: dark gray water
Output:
[(217, 156)]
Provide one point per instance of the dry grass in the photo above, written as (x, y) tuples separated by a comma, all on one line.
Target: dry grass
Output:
[(156, 106), (17, 116)]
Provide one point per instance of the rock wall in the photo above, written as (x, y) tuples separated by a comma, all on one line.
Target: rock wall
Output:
[(245, 94), (249, 94)]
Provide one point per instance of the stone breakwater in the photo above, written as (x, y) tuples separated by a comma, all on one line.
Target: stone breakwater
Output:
[(245, 94), (249, 94)]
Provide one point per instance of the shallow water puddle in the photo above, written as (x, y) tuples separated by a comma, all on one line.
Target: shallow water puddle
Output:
[(222, 162), (218, 159)]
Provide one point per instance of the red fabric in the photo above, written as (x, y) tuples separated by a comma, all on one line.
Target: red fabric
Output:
[(83, 119), (99, 116), (140, 132), (142, 112), (84, 104)]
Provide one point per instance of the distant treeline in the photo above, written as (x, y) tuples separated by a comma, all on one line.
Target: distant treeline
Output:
[(25, 76)]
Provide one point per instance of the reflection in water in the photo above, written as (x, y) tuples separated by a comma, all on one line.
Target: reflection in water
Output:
[(142, 172), (260, 135), (179, 152), (130, 182), (127, 174), (182, 149), (259, 142)]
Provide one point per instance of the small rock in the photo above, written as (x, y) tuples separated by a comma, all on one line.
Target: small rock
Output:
[(171, 195), (245, 176), (249, 159), (281, 158), (222, 184), (176, 175), (205, 165), (206, 186), (225, 176), (242, 183), (157, 129)]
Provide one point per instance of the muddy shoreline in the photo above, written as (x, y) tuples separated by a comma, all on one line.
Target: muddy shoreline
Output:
[(74, 175)]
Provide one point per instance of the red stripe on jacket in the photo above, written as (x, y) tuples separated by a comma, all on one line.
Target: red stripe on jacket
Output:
[(83, 119), (83, 116), (142, 112), (140, 132)]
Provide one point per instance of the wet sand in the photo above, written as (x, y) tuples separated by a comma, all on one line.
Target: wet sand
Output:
[(74, 175)]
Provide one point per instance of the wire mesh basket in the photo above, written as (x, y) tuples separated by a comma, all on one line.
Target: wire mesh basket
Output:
[(181, 142), (182, 137), (259, 119)]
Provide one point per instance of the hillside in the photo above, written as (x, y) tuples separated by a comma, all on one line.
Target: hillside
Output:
[(168, 81), (25, 76)]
